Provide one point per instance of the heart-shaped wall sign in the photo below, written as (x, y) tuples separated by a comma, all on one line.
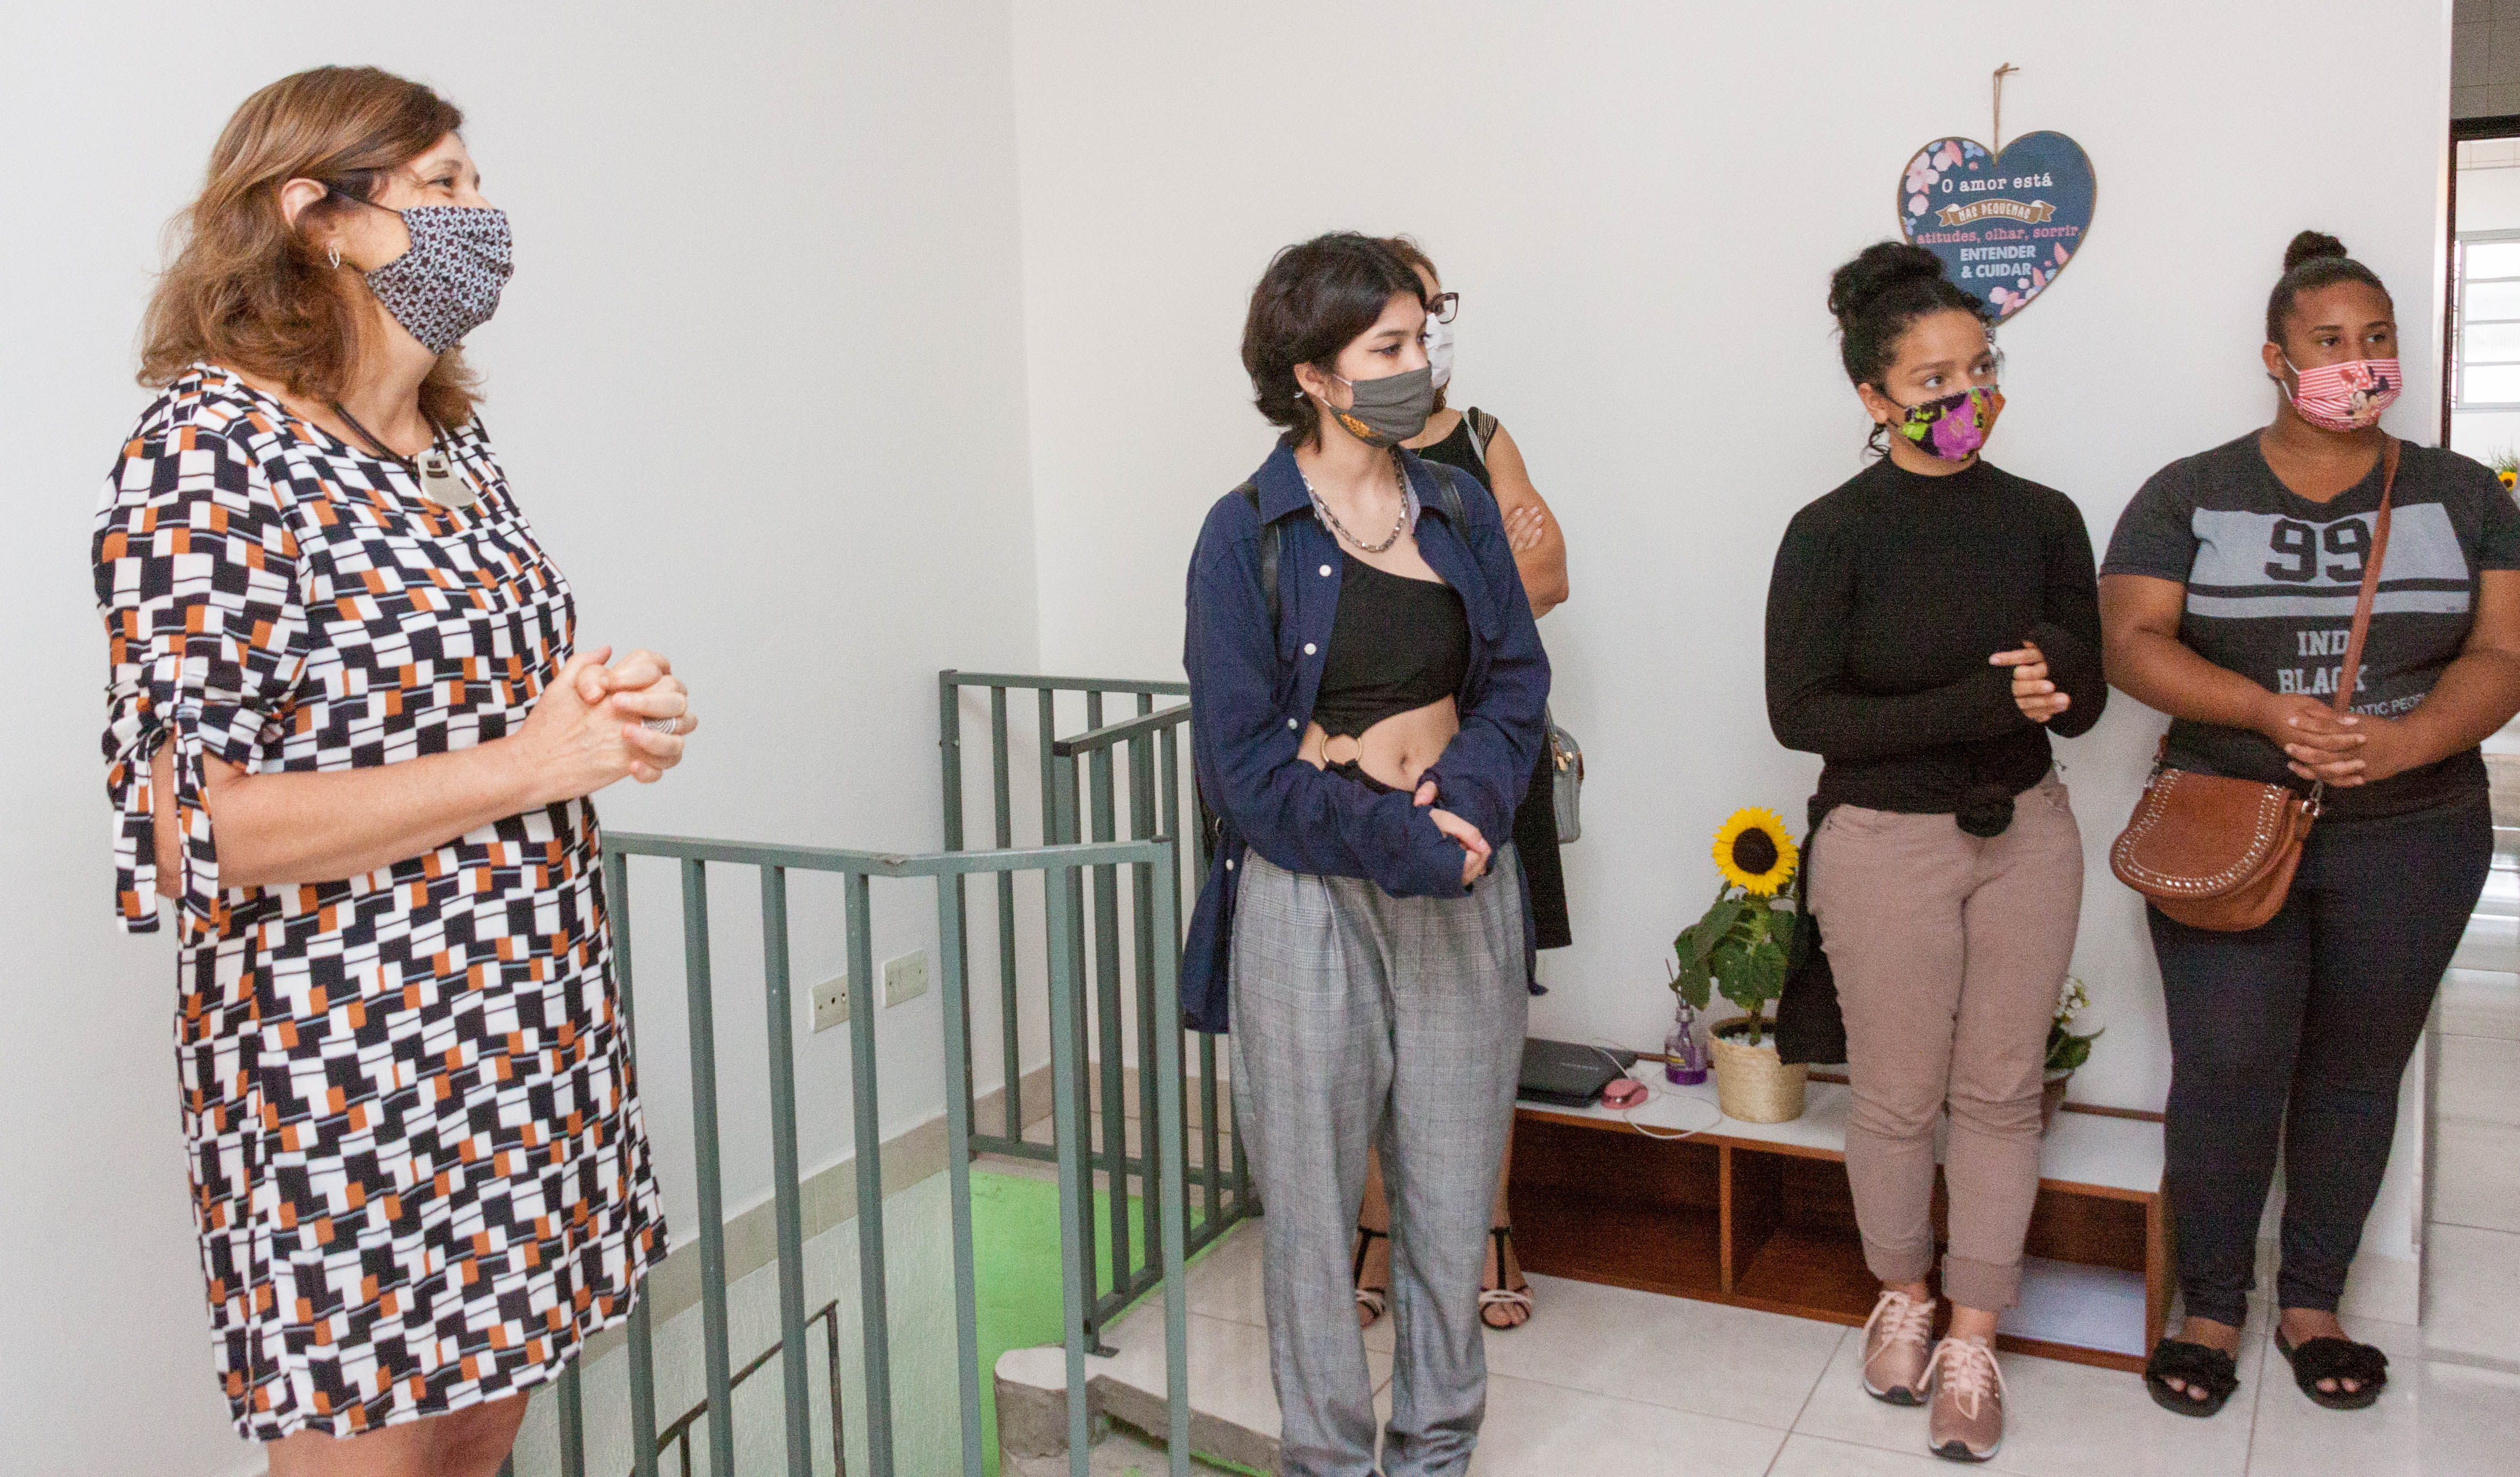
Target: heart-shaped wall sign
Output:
[(2004, 224)]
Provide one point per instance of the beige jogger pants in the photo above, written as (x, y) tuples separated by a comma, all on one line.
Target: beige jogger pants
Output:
[(1950, 951)]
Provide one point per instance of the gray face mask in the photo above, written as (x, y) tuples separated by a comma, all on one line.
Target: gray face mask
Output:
[(1387, 411), (448, 282)]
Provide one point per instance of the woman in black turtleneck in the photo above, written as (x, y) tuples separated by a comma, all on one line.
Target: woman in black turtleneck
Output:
[(1929, 623)]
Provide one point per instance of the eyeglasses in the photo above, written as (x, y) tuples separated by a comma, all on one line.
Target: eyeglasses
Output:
[(1442, 306)]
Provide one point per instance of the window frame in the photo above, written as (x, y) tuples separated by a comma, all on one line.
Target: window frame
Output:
[(2461, 323)]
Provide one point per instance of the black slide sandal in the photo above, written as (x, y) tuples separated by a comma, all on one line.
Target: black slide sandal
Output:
[(2316, 1360), (2202, 1366)]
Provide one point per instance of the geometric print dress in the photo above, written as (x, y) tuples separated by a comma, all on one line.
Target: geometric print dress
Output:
[(420, 1174)]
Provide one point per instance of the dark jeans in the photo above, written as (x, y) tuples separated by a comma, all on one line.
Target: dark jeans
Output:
[(2313, 1015)]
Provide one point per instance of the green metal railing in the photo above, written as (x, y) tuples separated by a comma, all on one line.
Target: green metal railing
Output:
[(1060, 867), (678, 1436), (1081, 799)]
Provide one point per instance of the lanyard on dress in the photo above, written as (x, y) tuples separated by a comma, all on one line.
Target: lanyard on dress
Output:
[(433, 469)]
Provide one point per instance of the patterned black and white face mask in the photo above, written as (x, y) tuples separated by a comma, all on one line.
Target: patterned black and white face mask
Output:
[(448, 282)]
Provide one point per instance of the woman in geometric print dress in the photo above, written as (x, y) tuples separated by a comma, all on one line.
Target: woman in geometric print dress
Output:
[(349, 737)]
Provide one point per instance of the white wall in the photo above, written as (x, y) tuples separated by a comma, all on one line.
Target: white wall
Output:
[(764, 329), (1641, 214)]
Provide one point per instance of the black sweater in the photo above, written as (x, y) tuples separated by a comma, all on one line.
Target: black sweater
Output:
[(1889, 595)]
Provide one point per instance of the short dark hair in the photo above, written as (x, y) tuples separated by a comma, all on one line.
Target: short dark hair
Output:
[(2314, 260), (1888, 286), (1315, 299)]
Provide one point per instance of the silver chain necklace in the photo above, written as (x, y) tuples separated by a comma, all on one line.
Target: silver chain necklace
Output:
[(1398, 527)]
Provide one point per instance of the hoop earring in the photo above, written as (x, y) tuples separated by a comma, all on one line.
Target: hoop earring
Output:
[(335, 253)]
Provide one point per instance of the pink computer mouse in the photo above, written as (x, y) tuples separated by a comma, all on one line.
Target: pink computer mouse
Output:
[(1622, 1092)]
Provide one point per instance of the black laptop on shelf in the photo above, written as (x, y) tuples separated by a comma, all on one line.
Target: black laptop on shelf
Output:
[(1569, 1074)]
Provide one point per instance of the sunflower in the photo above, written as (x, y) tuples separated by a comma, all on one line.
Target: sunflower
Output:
[(2509, 477), (1753, 852)]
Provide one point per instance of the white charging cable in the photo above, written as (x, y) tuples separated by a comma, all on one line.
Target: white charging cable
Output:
[(1626, 1114)]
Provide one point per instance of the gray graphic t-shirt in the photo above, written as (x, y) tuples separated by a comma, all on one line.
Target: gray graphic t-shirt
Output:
[(2272, 579)]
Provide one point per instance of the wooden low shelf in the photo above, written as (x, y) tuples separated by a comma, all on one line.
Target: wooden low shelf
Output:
[(1760, 1215)]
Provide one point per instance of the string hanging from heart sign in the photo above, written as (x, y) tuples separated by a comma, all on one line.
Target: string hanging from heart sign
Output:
[(2005, 221)]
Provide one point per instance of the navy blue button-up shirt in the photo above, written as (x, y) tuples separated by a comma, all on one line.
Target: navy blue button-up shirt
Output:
[(1252, 690)]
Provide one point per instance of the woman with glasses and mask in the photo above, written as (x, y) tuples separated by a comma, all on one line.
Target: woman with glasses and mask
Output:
[(1929, 623), (1370, 686), (348, 734), (1478, 445), (2228, 594)]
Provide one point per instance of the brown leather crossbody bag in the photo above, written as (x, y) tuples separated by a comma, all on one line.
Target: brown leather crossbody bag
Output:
[(2219, 853)]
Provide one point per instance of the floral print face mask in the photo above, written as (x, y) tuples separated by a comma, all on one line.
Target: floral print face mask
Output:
[(1954, 426)]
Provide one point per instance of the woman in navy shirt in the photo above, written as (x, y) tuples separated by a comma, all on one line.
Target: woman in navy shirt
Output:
[(1369, 685)]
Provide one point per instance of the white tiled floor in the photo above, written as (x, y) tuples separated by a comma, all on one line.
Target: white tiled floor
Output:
[(2480, 1079), (1606, 1380), (2476, 1110), (2476, 1174), (2472, 1238), (2472, 1295), (2480, 1002)]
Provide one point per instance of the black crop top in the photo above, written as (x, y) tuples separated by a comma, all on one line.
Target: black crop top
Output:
[(1396, 645)]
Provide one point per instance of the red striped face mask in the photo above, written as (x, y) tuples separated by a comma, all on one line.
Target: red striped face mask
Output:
[(2347, 396)]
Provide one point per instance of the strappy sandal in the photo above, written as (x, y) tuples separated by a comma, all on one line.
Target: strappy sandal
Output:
[(1374, 1300), (1504, 1296), (2339, 1360), (2201, 1366)]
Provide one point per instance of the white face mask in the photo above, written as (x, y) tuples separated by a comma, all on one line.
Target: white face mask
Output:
[(1439, 350)]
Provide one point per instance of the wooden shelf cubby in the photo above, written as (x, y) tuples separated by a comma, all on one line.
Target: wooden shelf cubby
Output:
[(1760, 1215)]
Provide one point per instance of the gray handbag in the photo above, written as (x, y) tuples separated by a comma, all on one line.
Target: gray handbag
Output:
[(1567, 779)]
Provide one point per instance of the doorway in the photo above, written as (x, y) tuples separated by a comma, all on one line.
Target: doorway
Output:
[(2472, 1200), (2480, 334)]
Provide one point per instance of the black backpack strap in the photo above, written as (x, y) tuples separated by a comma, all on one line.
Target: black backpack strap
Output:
[(1452, 493), (1269, 535)]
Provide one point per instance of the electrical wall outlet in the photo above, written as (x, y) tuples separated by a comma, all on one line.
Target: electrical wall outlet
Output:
[(831, 1002), (905, 978)]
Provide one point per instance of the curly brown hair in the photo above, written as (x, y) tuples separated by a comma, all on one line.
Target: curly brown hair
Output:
[(250, 289), (1316, 298)]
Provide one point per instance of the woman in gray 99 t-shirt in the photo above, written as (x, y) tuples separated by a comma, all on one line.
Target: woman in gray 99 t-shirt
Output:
[(2226, 598)]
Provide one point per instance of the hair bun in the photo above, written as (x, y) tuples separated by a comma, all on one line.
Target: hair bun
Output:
[(2310, 246), (1876, 270)]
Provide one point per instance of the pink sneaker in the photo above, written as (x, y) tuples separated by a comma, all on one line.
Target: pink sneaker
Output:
[(1968, 1418), (1897, 1351)]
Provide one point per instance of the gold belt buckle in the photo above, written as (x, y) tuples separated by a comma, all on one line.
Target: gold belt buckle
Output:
[(1332, 751)]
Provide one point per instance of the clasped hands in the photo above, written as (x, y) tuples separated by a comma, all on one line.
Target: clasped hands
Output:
[(1475, 851), (588, 727), (2341, 749)]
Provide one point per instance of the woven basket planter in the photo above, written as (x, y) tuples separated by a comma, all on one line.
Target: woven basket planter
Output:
[(1751, 1083)]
